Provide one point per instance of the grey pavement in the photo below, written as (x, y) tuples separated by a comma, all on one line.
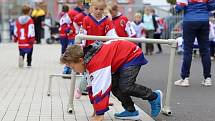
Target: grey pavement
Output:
[(23, 92), (194, 103)]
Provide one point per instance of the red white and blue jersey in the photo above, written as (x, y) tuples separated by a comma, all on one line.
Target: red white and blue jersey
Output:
[(72, 13), (103, 27), (123, 26), (78, 21), (139, 29), (25, 33), (65, 25), (195, 10), (112, 56)]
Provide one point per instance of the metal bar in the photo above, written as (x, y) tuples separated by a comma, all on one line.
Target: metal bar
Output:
[(80, 37), (57, 75), (166, 108), (71, 95), (49, 86)]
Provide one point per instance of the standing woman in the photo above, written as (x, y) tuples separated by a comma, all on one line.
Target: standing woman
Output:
[(195, 25), (150, 26)]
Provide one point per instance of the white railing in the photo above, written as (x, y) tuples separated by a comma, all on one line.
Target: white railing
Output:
[(166, 109)]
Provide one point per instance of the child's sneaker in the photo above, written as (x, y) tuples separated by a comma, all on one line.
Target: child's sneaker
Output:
[(156, 105), (207, 82), (21, 62), (182, 82), (126, 115)]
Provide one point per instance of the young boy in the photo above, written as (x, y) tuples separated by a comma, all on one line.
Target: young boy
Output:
[(25, 36), (71, 30), (121, 23), (116, 69)]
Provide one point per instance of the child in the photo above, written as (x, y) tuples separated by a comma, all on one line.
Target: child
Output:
[(195, 25), (121, 24), (65, 31), (78, 24), (138, 26), (71, 30), (78, 19), (116, 69), (96, 23), (25, 36)]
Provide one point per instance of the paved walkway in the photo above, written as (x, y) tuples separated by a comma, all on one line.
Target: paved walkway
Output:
[(23, 92)]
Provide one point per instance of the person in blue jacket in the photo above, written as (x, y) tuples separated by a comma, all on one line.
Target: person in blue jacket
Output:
[(195, 25)]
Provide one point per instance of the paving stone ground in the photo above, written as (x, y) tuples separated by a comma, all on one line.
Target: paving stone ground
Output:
[(23, 92)]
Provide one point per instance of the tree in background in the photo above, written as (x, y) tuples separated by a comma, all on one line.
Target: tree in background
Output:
[(172, 2)]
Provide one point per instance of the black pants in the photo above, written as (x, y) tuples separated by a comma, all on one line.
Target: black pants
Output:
[(158, 36), (29, 55), (124, 86)]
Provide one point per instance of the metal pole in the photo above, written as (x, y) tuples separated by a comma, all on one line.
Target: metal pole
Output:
[(71, 95), (49, 85), (80, 37), (166, 108)]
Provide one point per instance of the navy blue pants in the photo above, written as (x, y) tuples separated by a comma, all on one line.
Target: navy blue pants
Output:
[(27, 51), (199, 30), (65, 43)]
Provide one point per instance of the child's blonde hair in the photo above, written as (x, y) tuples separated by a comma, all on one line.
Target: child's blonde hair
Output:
[(72, 54), (95, 2), (137, 15)]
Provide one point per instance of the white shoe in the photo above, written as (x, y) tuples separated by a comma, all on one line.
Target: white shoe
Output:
[(207, 82), (21, 62), (182, 82)]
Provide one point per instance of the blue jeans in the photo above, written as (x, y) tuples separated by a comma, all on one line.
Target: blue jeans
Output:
[(124, 86), (199, 30)]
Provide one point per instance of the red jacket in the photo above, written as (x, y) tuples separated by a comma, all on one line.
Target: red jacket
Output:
[(24, 32)]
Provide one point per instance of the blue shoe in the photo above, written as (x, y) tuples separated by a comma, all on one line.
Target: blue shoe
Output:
[(126, 115), (156, 105), (66, 70)]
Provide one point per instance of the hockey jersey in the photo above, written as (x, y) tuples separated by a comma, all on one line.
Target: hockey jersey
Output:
[(195, 10), (139, 29), (78, 21), (24, 32), (65, 25), (103, 27), (123, 26), (104, 59), (72, 13)]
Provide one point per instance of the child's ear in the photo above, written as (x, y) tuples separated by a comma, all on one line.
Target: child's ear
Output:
[(81, 60)]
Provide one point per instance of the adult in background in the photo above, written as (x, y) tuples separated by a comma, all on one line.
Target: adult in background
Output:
[(158, 32), (195, 25), (38, 15), (150, 26)]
